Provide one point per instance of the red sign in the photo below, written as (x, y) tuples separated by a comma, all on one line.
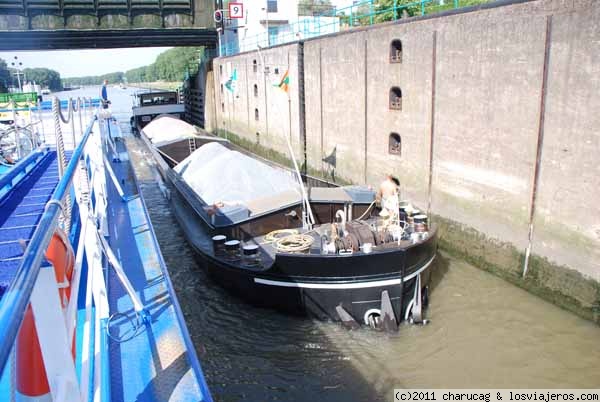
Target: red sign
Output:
[(236, 10)]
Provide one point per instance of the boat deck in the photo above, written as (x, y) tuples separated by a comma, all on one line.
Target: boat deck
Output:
[(159, 362), (21, 210)]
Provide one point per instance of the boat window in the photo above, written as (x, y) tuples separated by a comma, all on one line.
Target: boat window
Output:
[(396, 51), (256, 114), (395, 98), (395, 144), (159, 98), (255, 91)]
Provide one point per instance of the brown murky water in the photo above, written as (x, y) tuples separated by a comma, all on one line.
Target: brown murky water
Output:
[(484, 333)]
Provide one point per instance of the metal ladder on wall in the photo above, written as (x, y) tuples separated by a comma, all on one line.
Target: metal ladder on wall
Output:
[(192, 144)]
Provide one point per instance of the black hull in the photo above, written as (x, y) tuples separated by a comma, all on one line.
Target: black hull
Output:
[(286, 287), (313, 302)]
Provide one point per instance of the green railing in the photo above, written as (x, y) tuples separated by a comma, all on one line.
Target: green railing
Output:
[(20, 98), (366, 12)]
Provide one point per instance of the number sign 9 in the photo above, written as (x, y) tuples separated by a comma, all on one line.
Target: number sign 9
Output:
[(236, 10)]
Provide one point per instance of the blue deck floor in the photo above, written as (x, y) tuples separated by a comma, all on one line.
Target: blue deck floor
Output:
[(159, 364), (20, 212)]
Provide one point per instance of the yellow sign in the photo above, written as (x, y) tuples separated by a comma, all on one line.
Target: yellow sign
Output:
[(23, 114)]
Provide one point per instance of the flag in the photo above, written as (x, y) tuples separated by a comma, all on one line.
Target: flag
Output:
[(285, 82), (232, 81)]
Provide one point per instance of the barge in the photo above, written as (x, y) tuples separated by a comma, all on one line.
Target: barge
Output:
[(326, 252)]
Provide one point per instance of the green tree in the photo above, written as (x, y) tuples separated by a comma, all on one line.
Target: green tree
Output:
[(170, 65), (44, 77), (315, 7)]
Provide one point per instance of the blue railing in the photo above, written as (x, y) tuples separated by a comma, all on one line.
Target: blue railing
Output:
[(7, 180), (15, 300), (366, 12)]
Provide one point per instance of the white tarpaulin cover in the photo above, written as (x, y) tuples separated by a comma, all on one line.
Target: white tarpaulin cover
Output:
[(165, 129), (218, 174)]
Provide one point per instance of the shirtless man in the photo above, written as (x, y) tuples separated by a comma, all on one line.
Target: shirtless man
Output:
[(387, 196)]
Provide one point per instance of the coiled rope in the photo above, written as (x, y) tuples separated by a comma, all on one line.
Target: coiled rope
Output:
[(279, 234), (289, 241), (294, 243)]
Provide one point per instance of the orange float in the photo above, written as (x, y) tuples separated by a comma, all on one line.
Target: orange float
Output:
[(30, 372)]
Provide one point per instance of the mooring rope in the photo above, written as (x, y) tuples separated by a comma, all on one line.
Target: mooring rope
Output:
[(62, 160)]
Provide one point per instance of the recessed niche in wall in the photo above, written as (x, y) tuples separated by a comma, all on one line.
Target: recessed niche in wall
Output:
[(395, 98), (222, 106), (395, 144), (256, 114), (396, 51), (254, 66), (255, 91)]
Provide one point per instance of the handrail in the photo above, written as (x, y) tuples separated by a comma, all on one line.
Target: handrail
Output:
[(15, 300)]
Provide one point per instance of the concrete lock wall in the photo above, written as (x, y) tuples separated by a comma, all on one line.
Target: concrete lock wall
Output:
[(256, 109), (505, 141)]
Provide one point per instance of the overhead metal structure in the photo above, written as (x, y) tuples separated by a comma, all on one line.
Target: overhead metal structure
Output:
[(105, 38), (84, 24)]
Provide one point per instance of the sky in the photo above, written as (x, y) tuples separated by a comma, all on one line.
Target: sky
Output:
[(77, 63)]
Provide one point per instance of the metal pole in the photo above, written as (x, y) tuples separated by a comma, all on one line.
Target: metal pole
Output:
[(395, 7), (422, 7), (219, 37), (267, 24), (72, 119), (14, 114), (18, 73), (370, 12), (79, 112), (39, 108)]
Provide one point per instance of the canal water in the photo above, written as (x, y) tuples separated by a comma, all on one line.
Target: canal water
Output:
[(484, 332)]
